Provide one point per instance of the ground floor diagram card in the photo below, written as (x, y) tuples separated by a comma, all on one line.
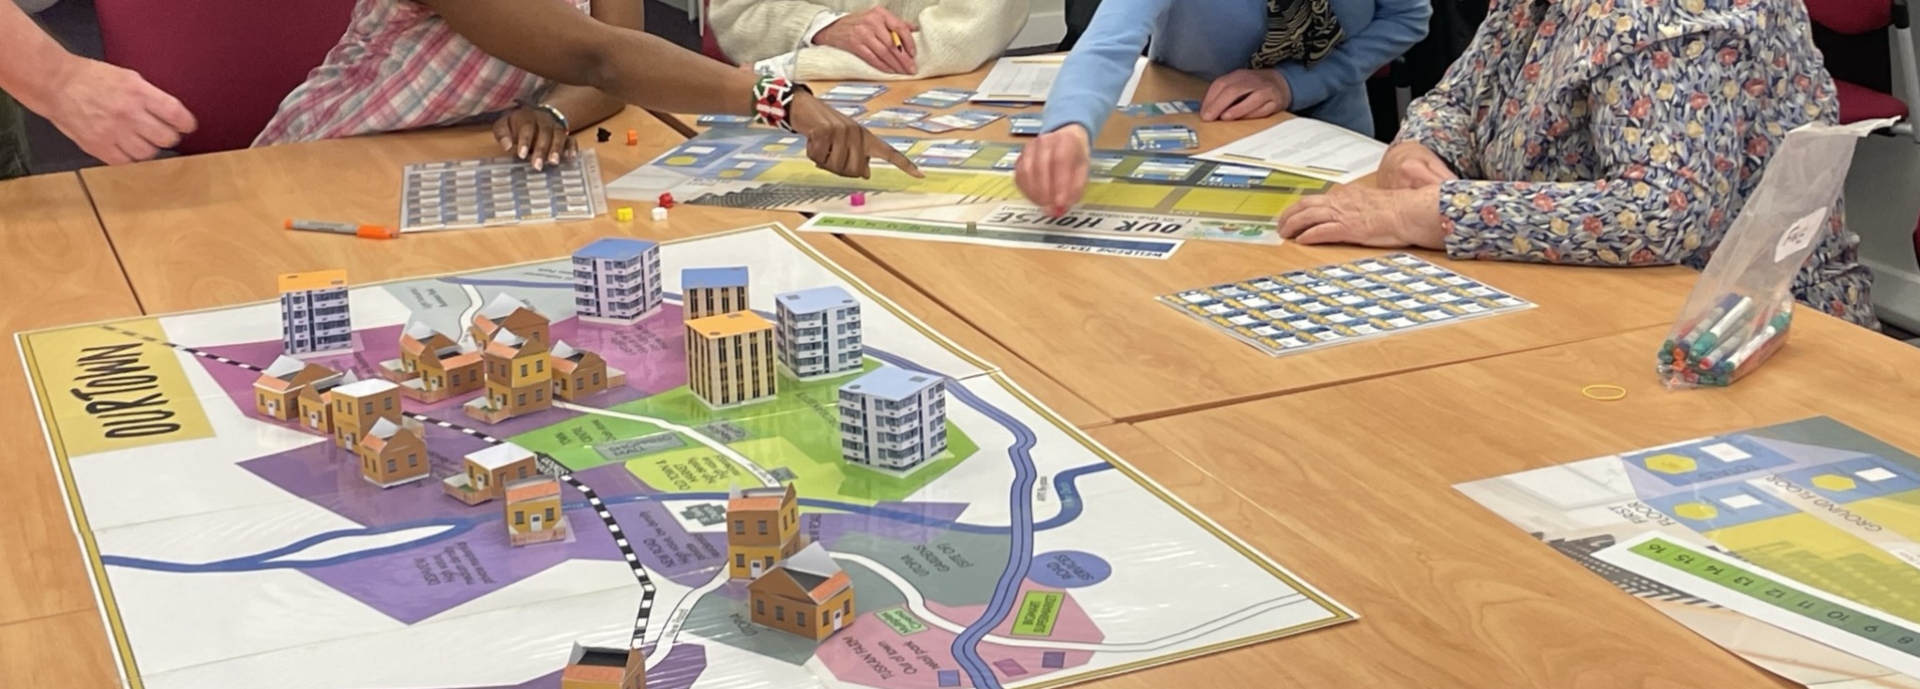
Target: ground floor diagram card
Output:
[(1334, 304)]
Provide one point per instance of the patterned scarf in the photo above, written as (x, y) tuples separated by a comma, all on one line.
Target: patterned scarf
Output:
[(1303, 30)]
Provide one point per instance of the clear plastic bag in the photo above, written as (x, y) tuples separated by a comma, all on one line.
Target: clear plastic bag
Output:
[(1741, 309)]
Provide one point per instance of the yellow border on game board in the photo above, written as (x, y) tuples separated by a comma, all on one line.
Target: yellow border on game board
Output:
[(130, 669)]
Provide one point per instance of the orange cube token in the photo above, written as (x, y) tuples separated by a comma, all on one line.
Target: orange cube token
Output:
[(633, 137)]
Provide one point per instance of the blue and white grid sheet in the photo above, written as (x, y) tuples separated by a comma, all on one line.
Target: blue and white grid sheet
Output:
[(1334, 304), (489, 192)]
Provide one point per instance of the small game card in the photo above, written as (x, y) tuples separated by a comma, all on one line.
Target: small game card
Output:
[(941, 98), (893, 118), (1024, 125), (849, 109), (948, 153), (933, 126), (853, 93), (725, 120), (1169, 107), (1164, 137), (966, 119)]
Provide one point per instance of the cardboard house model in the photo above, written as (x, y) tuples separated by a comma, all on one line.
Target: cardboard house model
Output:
[(316, 403), (893, 419), (508, 313), (534, 513), (432, 366), (489, 471), (357, 406), (517, 379), (807, 596), (578, 373), (712, 291), (604, 668), (393, 454), (730, 359), (616, 280), (763, 528), (276, 394)]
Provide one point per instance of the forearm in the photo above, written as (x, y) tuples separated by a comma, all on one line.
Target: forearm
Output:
[(1615, 222), (1089, 85), (584, 106), (1396, 26), (32, 61)]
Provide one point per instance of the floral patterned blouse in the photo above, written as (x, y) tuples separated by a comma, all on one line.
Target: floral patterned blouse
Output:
[(1629, 132)]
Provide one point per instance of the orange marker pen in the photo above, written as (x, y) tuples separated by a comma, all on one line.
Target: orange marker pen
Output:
[(363, 231)]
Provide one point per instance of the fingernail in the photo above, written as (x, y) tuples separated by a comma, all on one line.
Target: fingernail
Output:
[(523, 152)]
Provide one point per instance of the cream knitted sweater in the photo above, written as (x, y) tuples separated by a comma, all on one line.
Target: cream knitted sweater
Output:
[(954, 36)]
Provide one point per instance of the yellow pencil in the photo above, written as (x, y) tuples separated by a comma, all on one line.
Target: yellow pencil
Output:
[(896, 40)]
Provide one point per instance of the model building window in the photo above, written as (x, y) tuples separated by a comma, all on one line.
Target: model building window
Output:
[(539, 366), (763, 527), (523, 399), (413, 460), (389, 402), (800, 618), (759, 607), (549, 515), (740, 560), (523, 472), (523, 369), (369, 406), (740, 527), (390, 466), (519, 518), (539, 394), (779, 613)]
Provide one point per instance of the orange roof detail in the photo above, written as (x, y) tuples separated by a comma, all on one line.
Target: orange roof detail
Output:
[(532, 489), (594, 673), (729, 325), (320, 279), (766, 504), (831, 587)]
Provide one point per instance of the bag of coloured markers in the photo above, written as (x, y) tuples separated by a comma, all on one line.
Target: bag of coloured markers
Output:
[(1740, 311)]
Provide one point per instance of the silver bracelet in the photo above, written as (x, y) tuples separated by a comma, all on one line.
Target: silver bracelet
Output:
[(550, 110)]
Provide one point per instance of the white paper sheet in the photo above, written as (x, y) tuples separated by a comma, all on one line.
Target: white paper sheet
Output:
[(1305, 146), (1029, 79)]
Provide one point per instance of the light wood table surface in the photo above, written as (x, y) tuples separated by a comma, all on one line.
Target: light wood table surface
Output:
[(1157, 83), (1362, 477), (57, 268), (206, 231)]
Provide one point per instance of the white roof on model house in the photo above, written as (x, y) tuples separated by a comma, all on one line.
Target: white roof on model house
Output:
[(503, 305), (363, 388), (499, 456)]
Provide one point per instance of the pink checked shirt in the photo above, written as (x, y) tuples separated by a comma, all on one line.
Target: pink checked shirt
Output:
[(397, 68)]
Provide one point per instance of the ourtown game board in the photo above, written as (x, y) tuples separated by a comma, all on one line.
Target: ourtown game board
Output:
[(499, 191), (233, 549), (1155, 194)]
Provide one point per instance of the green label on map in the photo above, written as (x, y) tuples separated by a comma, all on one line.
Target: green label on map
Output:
[(901, 621), (1038, 611)]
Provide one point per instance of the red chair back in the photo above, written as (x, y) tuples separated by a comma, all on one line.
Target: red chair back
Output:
[(709, 41), (1851, 17), (230, 62)]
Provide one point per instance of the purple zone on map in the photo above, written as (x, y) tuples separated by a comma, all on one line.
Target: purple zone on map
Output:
[(829, 528), (678, 670), (930, 651)]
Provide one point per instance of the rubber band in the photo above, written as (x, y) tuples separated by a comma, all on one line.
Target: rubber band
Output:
[(1604, 393)]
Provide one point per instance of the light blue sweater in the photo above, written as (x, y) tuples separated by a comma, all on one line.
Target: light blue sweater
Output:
[(1209, 38)]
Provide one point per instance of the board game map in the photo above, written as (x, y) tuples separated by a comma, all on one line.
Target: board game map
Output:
[(230, 549), (1162, 194), (1814, 503), (1335, 304), (488, 192)]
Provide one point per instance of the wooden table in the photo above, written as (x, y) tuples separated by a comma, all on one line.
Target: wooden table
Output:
[(1362, 474), (58, 268), (1158, 83)]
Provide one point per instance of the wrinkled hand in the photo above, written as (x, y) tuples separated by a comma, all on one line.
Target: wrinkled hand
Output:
[(869, 34), (1367, 217), (114, 115), (1409, 165), (838, 144), (1247, 94), (533, 134), (1052, 171)]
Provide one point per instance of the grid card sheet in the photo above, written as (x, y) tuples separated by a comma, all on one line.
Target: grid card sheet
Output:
[(1333, 304), (489, 192)]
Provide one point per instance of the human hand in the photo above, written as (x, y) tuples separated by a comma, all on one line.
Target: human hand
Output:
[(1052, 171), (113, 114), (1247, 94), (838, 144), (533, 134), (1367, 217), (1409, 165), (869, 34)]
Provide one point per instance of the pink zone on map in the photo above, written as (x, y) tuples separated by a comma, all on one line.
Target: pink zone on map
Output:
[(872, 653)]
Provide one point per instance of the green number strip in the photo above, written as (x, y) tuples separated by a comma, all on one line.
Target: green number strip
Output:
[(1784, 595)]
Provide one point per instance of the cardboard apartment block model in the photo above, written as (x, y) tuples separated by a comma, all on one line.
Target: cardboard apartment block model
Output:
[(604, 668), (508, 313), (819, 332), (534, 513), (730, 359), (763, 528), (393, 454), (276, 393), (807, 596), (432, 366), (578, 373), (616, 280), (314, 314), (517, 379), (893, 419), (712, 291), (357, 406), (316, 403), (489, 471)]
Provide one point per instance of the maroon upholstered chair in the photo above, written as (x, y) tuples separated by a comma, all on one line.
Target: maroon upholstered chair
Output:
[(230, 62), (1859, 18)]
